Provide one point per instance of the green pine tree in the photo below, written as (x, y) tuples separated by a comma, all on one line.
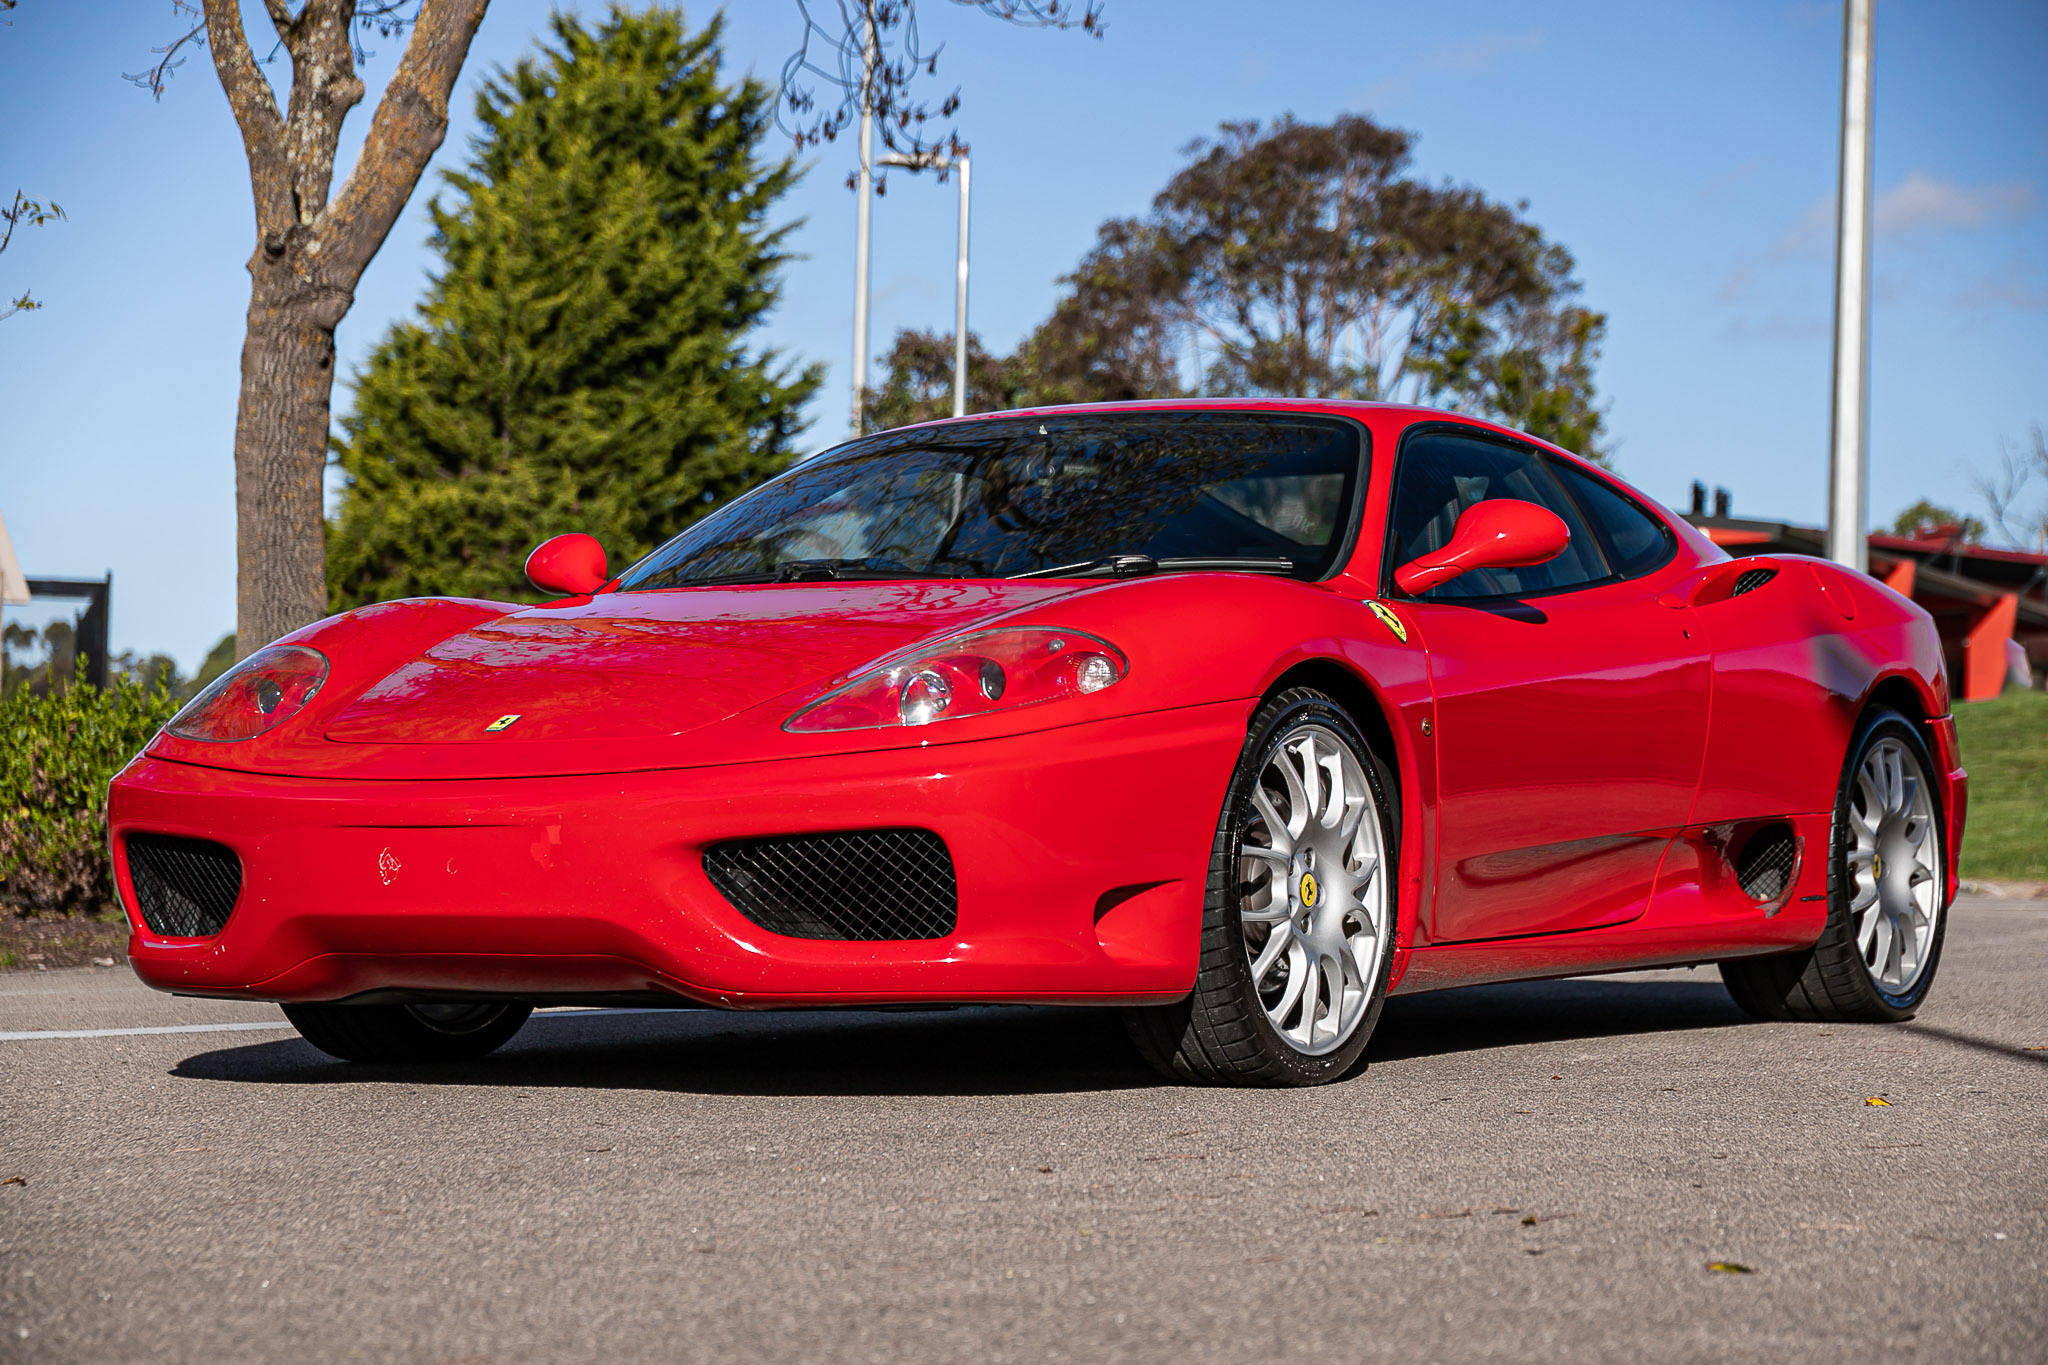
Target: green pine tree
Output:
[(581, 361)]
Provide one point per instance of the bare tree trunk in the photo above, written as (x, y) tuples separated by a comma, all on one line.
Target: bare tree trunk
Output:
[(309, 256), (281, 457)]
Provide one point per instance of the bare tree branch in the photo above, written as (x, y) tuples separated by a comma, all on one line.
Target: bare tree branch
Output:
[(2006, 489), (152, 78), (411, 121), (830, 57), (324, 88), (255, 109), (35, 214)]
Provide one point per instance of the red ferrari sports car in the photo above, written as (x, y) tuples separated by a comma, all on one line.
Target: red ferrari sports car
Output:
[(1239, 716)]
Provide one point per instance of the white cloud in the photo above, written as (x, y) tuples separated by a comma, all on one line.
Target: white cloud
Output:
[(1816, 227), (1481, 53), (2014, 286), (1920, 201), (1916, 204), (1387, 90)]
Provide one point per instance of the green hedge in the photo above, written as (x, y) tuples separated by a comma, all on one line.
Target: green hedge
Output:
[(57, 754)]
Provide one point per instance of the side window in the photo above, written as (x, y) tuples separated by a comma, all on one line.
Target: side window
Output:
[(1636, 541), (1442, 473)]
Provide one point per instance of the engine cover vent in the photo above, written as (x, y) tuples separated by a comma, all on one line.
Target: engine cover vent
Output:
[(1764, 868), (185, 888), (870, 885), (1749, 580)]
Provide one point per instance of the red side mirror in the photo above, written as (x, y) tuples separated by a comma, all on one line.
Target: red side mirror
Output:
[(1503, 533), (572, 563)]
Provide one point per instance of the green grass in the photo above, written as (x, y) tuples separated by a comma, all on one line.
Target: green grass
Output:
[(2005, 747)]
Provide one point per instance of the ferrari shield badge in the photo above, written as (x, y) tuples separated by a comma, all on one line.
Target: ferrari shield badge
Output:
[(501, 723), (1391, 621)]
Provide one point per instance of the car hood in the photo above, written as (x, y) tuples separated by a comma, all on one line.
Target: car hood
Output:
[(643, 665)]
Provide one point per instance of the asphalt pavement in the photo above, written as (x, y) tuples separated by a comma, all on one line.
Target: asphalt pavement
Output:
[(1547, 1171)]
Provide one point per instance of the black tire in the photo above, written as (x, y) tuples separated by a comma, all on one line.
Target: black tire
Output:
[(1829, 982), (1220, 1034), (407, 1033)]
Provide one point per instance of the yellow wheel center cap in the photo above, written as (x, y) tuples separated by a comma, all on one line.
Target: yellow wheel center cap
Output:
[(1877, 866), (1308, 890)]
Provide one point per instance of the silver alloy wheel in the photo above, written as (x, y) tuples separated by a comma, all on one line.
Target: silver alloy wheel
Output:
[(1312, 889), (1894, 866)]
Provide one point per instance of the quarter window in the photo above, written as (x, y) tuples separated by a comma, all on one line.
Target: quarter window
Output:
[(1636, 542)]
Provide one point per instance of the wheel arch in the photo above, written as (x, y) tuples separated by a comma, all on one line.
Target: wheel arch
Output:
[(1899, 692), (1351, 691)]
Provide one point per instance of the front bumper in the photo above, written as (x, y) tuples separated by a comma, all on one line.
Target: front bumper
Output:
[(1081, 855)]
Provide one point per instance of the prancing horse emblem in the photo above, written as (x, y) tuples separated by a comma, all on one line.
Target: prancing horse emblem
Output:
[(1308, 890), (1391, 621), (501, 723)]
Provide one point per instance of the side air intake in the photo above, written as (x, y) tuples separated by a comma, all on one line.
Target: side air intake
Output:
[(1749, 580), (185, 888), (1764, 868), (871, 885)]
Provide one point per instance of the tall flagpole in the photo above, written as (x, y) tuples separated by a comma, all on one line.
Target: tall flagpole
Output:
[(1849, 440), (965, 167), (864, 186)]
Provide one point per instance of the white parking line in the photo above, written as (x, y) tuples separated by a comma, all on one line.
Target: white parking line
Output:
[(34, 1035)]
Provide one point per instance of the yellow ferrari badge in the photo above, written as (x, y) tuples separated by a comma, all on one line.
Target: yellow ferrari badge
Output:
[(1308, 890), (501, 723), (1391, 621)]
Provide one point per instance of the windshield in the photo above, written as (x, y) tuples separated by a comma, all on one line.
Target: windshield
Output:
[(998, 498)]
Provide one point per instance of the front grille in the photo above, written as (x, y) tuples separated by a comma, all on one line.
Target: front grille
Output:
[(870, 884), (1765, 866), (184, 887), (1749, 580)]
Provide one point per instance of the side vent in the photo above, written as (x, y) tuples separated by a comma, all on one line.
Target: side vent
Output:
[(1749, 580), (874, 885), (1765, 866), (184, 887)]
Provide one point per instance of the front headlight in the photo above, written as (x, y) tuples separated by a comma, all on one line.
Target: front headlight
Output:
[(968, 675), (258, 694)]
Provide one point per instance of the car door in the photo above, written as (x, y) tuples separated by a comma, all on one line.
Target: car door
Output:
[(1571, 707)]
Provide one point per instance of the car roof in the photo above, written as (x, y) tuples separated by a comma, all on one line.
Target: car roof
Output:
[(1347, 407)]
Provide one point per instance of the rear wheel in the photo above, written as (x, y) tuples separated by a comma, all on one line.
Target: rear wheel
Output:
[(407, 1033), (1298, 921), (1887, 875)]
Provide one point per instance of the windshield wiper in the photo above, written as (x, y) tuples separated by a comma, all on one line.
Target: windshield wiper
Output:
[(1133, 566)]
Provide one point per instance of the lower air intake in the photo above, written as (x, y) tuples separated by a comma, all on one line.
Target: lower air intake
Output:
[(184, 887), (868, 885), (1765, 867)]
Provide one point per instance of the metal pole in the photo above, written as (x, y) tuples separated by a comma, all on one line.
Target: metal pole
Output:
[(863, 212), (960, 304), (1849, 444)]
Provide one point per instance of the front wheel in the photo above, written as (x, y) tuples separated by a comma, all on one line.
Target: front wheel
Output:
[(1876, 955), (1298, 920), (407, 1033)]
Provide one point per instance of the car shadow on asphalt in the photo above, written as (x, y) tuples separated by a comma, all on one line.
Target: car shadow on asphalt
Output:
[(982, 1050)]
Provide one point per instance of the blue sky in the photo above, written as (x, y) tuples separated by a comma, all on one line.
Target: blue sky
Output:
[(1685, 155)]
